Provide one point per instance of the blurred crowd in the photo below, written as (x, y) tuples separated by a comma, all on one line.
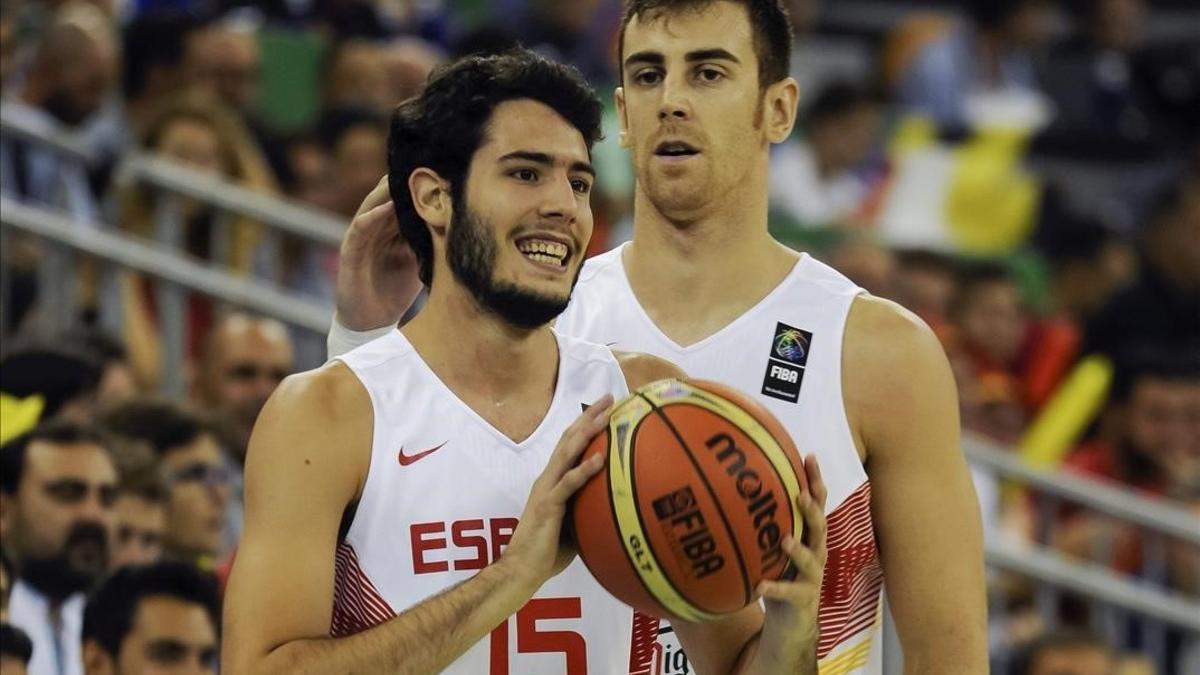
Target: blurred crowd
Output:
[(1070, 312)]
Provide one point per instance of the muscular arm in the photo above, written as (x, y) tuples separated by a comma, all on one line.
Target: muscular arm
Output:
[(308, 460), (903, 408), (746, 642)]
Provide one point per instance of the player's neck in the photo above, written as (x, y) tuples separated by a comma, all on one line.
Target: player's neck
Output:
[(721, 265), (470, 348)]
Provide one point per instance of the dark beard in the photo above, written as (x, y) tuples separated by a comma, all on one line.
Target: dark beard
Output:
[(471, 250), (61, 107), (60, 576)]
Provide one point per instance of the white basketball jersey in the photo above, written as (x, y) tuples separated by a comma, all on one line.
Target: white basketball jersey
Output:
[(786, 352), (441, 501)]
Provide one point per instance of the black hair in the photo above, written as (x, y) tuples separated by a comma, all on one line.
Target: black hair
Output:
[(14, 452), (15, 643), (150, 41), (768, 20), (1151, 360), (989, 14), (110, 610), (336, 121), (163, 425), (974, 275), (58, 371), (1082, 240), (443, 127), (837, 99)]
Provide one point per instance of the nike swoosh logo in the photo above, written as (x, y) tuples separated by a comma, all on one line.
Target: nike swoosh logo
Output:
[(405, 460)]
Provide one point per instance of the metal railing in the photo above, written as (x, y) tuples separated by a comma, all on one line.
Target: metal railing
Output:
[(136, 254), (1116, 601)]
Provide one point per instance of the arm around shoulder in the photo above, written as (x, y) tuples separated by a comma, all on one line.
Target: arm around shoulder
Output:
[(903, 407)]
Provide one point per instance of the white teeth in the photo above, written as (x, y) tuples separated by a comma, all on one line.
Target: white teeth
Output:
[(551, 249)]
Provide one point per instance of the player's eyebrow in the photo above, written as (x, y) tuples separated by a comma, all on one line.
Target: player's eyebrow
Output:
[(647, 58), (714, 54), (546, 159)]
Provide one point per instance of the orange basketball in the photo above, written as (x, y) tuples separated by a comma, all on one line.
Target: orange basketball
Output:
[(698, 491)]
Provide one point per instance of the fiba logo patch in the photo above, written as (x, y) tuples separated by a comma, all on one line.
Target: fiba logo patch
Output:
[(791, 344), (785, 364)]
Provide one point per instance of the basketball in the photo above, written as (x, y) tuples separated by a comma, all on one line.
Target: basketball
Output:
[(698, 491)]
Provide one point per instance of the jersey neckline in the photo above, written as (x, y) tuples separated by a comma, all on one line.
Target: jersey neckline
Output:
[(538, 431), (644, 316)]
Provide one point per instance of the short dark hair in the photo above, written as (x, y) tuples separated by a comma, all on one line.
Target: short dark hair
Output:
[(14, 452), (1027, 657), (974, 275), (837, 99), (768, 19), (443, 127), (57, 370), (162, 424), (336, 122), (110, 610), (152, 40), (15, 643), (994, 13)]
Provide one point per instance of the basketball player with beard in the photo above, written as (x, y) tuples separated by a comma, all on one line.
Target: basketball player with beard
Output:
[(857, 380), (387, 484)]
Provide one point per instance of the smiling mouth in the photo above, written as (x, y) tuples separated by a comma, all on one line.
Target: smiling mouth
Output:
[(544, 251)]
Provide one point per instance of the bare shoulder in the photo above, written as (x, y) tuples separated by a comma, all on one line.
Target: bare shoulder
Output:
[(642, 369), (882, 333), (322, 417), (893, 367)]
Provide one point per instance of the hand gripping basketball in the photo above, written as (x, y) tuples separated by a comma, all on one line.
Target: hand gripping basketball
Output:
[(537, 551)]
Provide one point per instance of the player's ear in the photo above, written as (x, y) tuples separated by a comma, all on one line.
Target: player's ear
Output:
[(781, 101), (95, 660), (431, 198), (623, 134)]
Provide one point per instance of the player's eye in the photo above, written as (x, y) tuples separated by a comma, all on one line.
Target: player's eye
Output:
[(648, 77), (527, 175), (581, 186), (710, 74)]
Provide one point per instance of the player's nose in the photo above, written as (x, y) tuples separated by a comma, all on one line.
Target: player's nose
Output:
[(559, 200)]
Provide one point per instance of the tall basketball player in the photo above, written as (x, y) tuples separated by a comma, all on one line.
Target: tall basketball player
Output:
[(385, 486), (857, 380)]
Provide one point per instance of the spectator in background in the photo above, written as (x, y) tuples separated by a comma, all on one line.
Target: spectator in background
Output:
[(1065, 652), (990, 55), (819, 181), (1162, 306), (1149, 441), (153, 62), (985, 347), (1100, 97), (196, 131), (16, 650), (71, 77), (355, 140), (163, 618), (57, 488), (223, 59), (408, 62), (355, 76), (925, 283), (567, 32), (141, 506), (190, 458), (820, 59), (245, 358), (65, 376), (867, 263), (1088, 264)]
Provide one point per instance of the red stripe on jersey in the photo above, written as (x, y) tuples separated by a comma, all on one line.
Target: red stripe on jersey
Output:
[(853, 575), (357, 604), (641, 646)]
